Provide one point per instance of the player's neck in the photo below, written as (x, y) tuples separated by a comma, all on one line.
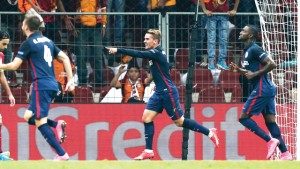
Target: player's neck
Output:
[(248, 42), (28, 33)]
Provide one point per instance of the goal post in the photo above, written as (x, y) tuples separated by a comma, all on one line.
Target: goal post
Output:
[(279, 26)]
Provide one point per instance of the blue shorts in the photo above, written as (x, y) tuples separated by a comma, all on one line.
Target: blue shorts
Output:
[(40, 102), (167, 101), (257, 104)]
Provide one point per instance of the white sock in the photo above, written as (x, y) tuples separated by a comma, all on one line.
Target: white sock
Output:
[(210, 134), (148, 151)]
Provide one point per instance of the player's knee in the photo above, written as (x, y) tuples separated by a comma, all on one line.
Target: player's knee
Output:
[(178, 123), (146, 119), (28, 114)]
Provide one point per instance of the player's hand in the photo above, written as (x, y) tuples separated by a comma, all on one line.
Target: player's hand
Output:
[(249, 74), (112, 50), (12, 100), (70, 86)]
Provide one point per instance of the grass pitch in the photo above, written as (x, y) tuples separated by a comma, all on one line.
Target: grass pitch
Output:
[(44, 164)]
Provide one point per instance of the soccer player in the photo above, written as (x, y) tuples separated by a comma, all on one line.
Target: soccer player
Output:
[(40, 53), (4, 41), (257, 63), (165, 95)]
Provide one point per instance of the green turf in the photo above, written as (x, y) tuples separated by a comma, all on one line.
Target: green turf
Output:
[(150, 165)]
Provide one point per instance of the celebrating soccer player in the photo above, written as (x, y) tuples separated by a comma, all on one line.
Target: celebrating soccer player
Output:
[(165, 95), (40, 52), (257, 63)]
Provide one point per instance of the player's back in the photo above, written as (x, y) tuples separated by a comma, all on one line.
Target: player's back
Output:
[(40, 52)]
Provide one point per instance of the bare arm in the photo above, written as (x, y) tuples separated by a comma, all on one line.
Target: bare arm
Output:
[(236, 4), (115, 81), (67, 19), (5, 86), (207, 12), (269, 65), (14, 65)]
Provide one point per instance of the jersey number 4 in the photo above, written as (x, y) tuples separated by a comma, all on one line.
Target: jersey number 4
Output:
[(47, 55)]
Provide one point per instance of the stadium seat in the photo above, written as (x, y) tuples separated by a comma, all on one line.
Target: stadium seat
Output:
[(182, 92), (107, 76), (181, 59), (203, 79), (236, 94), (228, 80), (104, 91), (212, 94), (83, 94), (19, 94), (175, 77)]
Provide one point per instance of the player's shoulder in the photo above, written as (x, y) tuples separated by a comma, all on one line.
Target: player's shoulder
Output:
[(154, 51)]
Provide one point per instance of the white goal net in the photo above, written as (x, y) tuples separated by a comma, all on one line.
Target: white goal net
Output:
[(278, 19)]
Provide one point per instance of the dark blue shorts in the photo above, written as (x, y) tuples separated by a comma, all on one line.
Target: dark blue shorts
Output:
[(257, 104), (167, 101), (40, 102)]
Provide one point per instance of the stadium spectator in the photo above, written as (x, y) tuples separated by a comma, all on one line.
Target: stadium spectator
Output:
[(33, 8), (89, 41), (52, 24), (41, 51), (132, 84), (247, 6), (165, 95), (257, 63), (201, 31), (116, 6), (220, 23), (115, 29), (164, 6), (62, 79)]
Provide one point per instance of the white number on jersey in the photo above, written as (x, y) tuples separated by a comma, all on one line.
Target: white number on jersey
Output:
[(47, 55)]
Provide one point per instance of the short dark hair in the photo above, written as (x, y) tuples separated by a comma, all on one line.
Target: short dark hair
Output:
[(33, 22), (4, 35), (253, 30), (133, 64)]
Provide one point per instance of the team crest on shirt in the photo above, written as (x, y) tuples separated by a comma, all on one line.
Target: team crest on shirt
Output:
[(246, 55), (245, 63), (150, 62)]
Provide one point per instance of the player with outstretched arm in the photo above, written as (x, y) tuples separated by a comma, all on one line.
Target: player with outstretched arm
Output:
[(165, 95), (40, 52)]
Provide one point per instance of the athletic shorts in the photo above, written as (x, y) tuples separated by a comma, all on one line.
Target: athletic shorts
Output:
[(256, 105), (167, 101), (40, 102)]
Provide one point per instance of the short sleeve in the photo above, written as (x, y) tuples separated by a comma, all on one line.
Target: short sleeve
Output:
[(261, 54), (56, 51), (24, 50)]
